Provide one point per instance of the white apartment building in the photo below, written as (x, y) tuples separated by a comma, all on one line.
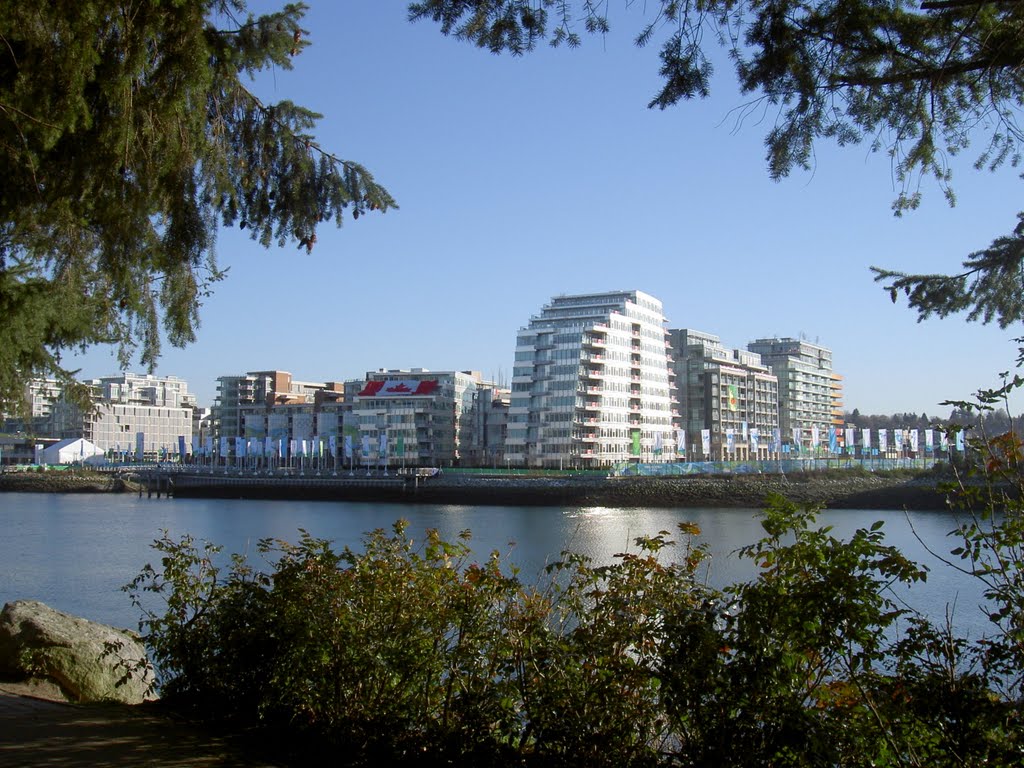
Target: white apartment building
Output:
[(132, 413), (592, 384), (415, 417), (807, 385)]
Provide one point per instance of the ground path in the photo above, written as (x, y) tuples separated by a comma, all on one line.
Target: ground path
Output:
[(37, 730)]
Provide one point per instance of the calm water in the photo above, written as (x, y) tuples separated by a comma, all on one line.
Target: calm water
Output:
[(74, 552)]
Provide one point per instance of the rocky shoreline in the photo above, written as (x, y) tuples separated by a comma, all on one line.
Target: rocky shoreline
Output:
[(852, 492), (67, 482), (833, 490)]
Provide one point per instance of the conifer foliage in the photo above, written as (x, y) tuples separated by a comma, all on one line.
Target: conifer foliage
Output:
[(128, 135), (922, 80)]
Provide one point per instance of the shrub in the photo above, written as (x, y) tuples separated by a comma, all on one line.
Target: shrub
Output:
[(413, 653)]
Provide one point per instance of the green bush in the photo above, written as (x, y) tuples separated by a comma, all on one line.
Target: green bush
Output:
[(413, 653)]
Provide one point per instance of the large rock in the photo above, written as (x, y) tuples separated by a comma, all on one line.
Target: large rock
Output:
[(89, 661)]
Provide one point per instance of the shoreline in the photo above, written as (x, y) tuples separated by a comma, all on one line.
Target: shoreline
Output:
[(835, 491)]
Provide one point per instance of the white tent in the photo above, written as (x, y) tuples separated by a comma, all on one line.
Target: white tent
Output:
[(69, 451)]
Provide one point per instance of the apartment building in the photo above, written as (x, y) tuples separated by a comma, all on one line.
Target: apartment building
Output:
[(416, 417), (808, 388), (592, 384), (728, 395), (139, 413), (254, 394)]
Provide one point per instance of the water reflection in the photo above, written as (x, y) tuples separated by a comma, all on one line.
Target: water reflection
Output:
[(75, 552)]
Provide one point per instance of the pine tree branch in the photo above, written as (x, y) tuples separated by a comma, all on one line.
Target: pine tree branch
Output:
[(936, 74), (945, 5)]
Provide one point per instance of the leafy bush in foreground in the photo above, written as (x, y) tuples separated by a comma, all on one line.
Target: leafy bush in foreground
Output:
[(410, 652)]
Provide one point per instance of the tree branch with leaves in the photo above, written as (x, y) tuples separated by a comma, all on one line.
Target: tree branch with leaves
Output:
[(128, 137)]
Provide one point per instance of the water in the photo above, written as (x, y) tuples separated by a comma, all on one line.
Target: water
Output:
[(74, 552)]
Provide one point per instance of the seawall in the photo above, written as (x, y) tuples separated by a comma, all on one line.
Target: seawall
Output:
[(834, 490), (853, 492)]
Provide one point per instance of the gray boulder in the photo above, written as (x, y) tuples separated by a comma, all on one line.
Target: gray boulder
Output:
[(89, 661)]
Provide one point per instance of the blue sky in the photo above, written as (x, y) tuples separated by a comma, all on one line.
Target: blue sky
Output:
[(520, 179)]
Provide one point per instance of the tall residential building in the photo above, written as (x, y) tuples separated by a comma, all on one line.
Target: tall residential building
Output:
[(591, 385), (728, 392), (807, 385)]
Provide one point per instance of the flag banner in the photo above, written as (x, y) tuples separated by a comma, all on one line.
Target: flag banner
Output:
[(734, 397), (281, 448), (705, 441), (929, 440), (348, 446), (293, 447), (240, 447), (254, 425), (635, 450), (399, 388), (865, 439), (302, 426), (277, 426), (303, 447), (681, 441), (883, 440), (897, 439), (944, 440), (833, 440), (181, 446), (658, 444), (913, 440), (332, 445), (314, 446), (400, 451), (960, 440), (140, 445), (366, 447), (851, 438), (327, 424), (730, 440), (815, 437), (268, 447), (195, 445), (382, 444), (222, 449), (777, 440), (755, 433), (797, 439), (743, 431)]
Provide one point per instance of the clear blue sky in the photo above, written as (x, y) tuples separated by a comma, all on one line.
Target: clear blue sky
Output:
[(520, 179)]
